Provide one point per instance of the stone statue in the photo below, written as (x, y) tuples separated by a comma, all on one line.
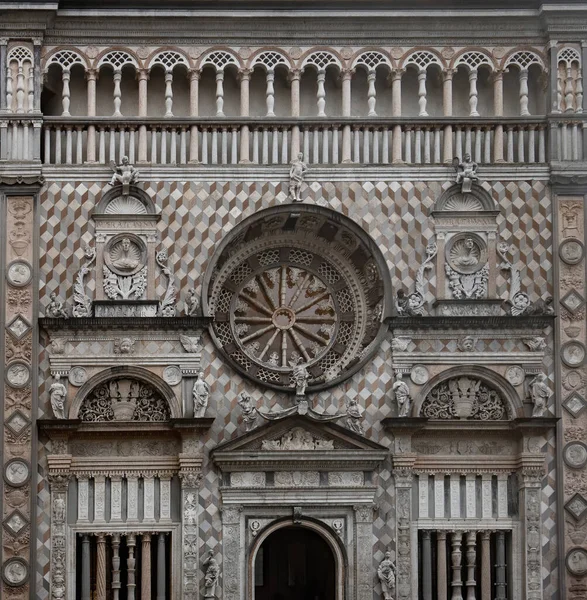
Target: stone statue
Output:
[(125, 256), (58, 394), (540, 307), (466, 172), (386, 575), (402, 396), (56, 309), (212, 575), (300, 377), (354, 416), (297, 172), (409, 306), (249, 410), (192, 304), (466, 254), (200, 395), (540, 393), (125, 174)]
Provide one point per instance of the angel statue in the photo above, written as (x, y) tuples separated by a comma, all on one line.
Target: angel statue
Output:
[(124, 173), (466, 172)]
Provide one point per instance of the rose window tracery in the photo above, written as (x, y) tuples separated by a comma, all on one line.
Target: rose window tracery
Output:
[(295, 290)]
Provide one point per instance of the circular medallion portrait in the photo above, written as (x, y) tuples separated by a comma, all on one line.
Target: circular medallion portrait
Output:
[(571, 251), (573, 354), (172, 375), (466, 253), (77, 376), (18, 374), (125, 254), (15, 571), (577, 561), (515, 375), (19, 273), (575, 455), (419, 374), (17, 472)]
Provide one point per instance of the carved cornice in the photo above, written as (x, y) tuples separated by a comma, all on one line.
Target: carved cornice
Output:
[(184, 324), (76, 427), (475, 323)]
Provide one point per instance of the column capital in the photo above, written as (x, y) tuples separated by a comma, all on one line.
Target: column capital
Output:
[(347, 74), (144, 75), (194, 74), (37, 42), (396, 74), (371, 75), (92, 74), (245, 74), (3, 41), (447, 74), (295, 74)]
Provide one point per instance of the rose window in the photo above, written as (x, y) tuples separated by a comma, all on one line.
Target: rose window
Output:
[(282, 295)]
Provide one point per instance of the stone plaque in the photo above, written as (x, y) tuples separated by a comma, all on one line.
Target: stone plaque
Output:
[(18, 327), (125, 309), (15, 572), (17, 423), (172, 375), (575, 455), (19, 273), (577, 507), (17, 472), (15, 522), (77, 376), (515, 375), (576, 561), (573, 354), (18, 374), (419, 374), (573, 301), (575, 404), (571, 251)]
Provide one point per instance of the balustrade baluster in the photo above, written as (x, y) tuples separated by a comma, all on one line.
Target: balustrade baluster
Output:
[(121, 142), (47, 153), (471, 564), (131, 145), (321, 93), (214, 149), (274, 146), (487, 140), (112, 145), (366, 145), (485, 565), (256, 145), (565, 141), (510, 144), (115, 566), (356, 145), (459, 142), (418, 146), (265, 146), (521, 152), (422, 94), (65, 92), (531, 144), (478, 139), (306, 144), (325, 145), (102, 146), (146, 566), (468, 141), (575, 142), (173, 147), (371, 94), (163, 159), (194, 154), (396, 145), (224, 146), (117, 95), (284, 146), (473, 93), (427, 146), (234, 146), (456, 561), (376, 135), (315, 145), (542, 145), (101, 567), (130, 566), (25, 141), (441, 583), (154, 145), (270, 93), (57, 144), (447, 148), (437, 145), (79, 135), (408, 150), (220, 94), (385, 146)]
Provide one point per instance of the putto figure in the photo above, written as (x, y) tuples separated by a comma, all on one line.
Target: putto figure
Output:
[(386, 575), (466, 172), (200, 395), (56, 309), (125, 174), (297, 173), (192, 304), (57, 394)]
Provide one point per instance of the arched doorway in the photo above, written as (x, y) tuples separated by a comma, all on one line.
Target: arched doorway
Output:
[(294, 563)]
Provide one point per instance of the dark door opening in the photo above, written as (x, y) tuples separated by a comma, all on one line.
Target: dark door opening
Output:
[(295, 563)]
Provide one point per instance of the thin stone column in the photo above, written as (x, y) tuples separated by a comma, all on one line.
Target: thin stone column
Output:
[(346, 77), (498, 112), (294, 78), (441, 583), (396, 111), (447, 150), (161, 575), (473, 95), (143, 77), (456, 558), (3, 49), (524, 92), (115, 566), (554, 103), (131, 562), (426, 566), (101, 567), (471, 562), (500, 567), (245, 78), (86, 567), (91, 77), (194, 112), (146, 567), (486, 565), (37, 76)]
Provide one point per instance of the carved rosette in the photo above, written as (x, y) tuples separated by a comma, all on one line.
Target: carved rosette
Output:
[(18, 373)]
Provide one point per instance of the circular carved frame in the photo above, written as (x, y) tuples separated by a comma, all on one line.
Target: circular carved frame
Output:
[(297, 283)]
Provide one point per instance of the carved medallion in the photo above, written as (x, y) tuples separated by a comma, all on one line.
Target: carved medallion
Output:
[(573, 301), (419, 374), (466, 253), (18, 374), (172, 375), (17, 472), (19, 273), (576, 562), (577, 507), (571, 251), (573, 353), (125, 255), (77, 376), (515, 375), (18, 327), (575, 404), (15, 571), (15, 522), (575, 455)]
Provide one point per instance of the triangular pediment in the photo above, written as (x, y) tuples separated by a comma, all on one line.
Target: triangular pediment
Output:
[(297, 438)]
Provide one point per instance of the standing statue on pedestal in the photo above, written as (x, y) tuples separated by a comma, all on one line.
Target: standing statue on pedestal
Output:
[(540, 393), (386, 575), (125, 174), (297, 173), (212, 575), (58, 393), (300, 376), (56, 309), (466, 172), (402, 396), (200, 394)]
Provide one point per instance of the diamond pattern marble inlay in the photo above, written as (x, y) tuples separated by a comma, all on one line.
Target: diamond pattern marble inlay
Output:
[(17, 423), (573, 301), (575, 404), (577, 507), (18, 327), (15, 522)]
